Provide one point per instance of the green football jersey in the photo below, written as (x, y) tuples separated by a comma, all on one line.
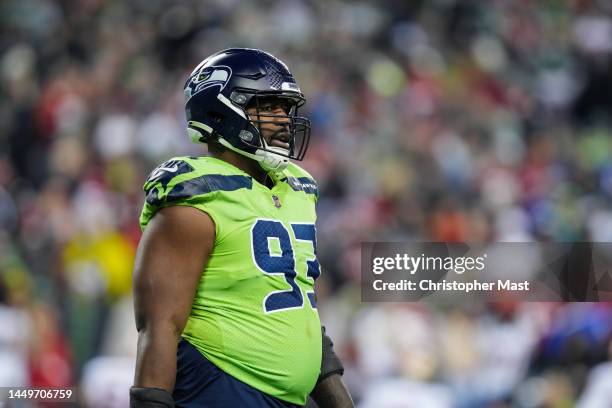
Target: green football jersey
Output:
[(254, 313)]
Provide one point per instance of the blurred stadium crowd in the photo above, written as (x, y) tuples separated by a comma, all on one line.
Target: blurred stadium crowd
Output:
[(439, 120)]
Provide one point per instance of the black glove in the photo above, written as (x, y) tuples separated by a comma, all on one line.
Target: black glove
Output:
[(330, 362), (150, 398)]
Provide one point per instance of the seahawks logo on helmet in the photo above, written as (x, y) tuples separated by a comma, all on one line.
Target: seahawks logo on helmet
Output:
[(207, 77)]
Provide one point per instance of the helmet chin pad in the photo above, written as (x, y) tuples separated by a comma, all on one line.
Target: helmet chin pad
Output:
[(268, 160), (272, 161)]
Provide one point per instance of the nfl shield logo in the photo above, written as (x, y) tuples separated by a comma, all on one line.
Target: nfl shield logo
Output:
[(277, 202)]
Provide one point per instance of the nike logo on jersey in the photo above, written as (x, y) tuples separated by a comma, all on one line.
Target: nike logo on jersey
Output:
[(170, 169), (167, 170), (158, 172)]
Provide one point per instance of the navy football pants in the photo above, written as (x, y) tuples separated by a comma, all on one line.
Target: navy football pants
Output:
[(200, 384)]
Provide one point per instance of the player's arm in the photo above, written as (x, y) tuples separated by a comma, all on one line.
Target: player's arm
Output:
[(330, 391), (171, 256)]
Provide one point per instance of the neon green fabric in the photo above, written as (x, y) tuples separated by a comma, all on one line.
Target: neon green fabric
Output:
[(253, 315)]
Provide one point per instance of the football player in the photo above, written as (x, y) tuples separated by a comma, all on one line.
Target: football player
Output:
[(225, 271)]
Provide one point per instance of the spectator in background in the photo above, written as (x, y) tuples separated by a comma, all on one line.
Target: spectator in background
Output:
[(14, 340)]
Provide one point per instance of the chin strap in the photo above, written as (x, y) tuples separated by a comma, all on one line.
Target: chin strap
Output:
[(268, 160)]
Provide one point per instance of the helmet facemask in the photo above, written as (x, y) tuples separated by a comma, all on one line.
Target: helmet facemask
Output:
[(274, 129)]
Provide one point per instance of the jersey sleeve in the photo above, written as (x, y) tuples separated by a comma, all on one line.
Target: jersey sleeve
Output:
[(194, 182), (160, 184)]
